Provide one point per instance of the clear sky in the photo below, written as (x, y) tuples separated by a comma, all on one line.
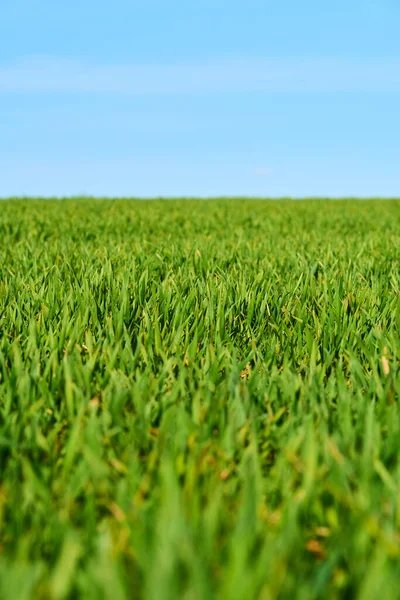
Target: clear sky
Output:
[(200, 98)]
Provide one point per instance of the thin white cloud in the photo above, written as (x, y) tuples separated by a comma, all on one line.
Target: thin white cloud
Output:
[(262, 172), (233, 76)]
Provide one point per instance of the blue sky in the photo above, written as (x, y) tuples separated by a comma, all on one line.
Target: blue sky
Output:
[(161, 98)]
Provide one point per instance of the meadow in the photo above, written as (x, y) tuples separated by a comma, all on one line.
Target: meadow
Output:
[(199, 399)]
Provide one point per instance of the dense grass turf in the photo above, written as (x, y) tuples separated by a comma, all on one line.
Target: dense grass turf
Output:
[(199, 399)]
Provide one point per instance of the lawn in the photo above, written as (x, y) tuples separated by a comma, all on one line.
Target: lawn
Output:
[(199, 399)]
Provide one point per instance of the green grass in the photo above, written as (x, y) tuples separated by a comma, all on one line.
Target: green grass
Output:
[(199, 399)]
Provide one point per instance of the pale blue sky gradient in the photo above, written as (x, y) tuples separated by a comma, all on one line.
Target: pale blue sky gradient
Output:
[(200, 98)]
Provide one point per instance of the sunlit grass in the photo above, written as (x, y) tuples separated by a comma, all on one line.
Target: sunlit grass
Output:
[(199, 399)]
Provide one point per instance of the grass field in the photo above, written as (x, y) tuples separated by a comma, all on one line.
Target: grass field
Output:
[(199, 399)]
